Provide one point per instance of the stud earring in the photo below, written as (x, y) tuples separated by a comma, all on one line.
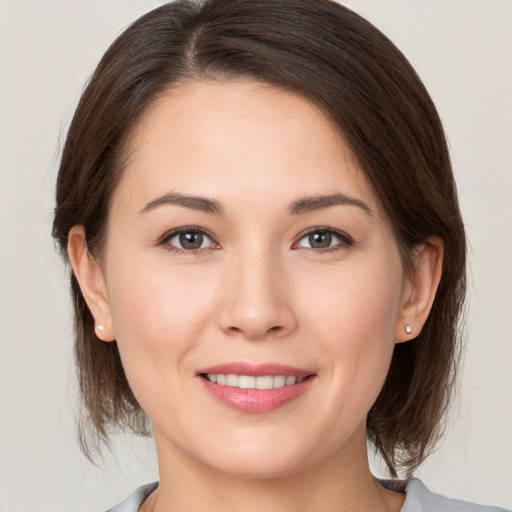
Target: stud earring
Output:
[(101, 327), (408, 329)]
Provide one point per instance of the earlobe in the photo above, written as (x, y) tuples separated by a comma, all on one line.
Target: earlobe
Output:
[(89, 275), (419, 295)]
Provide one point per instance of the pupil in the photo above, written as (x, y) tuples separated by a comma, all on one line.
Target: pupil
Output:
[(320, 240), (191, 240)]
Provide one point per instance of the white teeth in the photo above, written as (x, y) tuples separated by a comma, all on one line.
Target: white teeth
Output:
[(279, 381), (232, 380), (266, 382), (251, 382), (290, 381), (246, 382)]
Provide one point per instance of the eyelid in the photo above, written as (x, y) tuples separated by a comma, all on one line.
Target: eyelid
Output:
[(164, 239), (346, 240)]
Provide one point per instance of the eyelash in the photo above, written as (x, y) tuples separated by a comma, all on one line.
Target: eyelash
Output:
[(187, 230), (345, 240)]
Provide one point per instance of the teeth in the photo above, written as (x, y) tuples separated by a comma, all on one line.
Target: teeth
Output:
[(251, 382), (279, 381), (246, 382), (232, 380), (266, 382), (290, 381)]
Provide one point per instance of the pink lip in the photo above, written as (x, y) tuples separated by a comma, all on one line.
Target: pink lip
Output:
[(256, 400)]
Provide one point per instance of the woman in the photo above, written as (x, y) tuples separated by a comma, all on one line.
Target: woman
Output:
[(268, 257)]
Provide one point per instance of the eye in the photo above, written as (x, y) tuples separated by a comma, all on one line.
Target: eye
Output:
[(320, 238), (188, 239)]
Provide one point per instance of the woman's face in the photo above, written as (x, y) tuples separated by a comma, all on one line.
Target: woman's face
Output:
[(243, 240)]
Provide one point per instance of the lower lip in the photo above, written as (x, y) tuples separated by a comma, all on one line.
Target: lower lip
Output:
[(256, 400)]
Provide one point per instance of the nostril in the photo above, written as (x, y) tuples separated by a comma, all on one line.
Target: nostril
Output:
[(256, 319), (258, 330)]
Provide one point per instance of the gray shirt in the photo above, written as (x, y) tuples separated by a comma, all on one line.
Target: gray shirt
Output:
[(418, 499)]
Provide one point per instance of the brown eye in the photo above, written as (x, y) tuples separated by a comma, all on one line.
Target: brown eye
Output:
[(189, 240), (322, 239)]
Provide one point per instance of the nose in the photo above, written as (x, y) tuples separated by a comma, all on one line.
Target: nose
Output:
[(256, 301)]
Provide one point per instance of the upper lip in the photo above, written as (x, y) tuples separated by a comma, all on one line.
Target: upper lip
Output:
[(256, 370)]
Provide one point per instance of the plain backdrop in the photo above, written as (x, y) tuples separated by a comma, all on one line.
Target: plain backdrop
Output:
[(462, 49)]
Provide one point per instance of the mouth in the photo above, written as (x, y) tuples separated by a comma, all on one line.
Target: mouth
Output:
[(253, 382), (255, 388)]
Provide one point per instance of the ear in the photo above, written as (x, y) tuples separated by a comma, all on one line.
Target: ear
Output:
[(89, 275), (420, 289)]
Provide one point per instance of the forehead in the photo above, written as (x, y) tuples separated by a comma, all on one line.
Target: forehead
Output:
[(237, 138)]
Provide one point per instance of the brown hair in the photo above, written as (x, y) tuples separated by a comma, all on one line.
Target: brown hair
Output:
[(340, 62)]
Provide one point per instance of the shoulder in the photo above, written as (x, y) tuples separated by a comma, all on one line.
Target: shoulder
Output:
[(420, 499), (135, 500)]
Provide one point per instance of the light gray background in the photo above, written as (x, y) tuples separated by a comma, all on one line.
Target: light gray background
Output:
[(463, 51)]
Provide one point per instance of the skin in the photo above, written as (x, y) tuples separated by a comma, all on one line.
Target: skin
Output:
[(253, 292)]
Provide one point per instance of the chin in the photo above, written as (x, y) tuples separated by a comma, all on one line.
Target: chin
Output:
[(261, 468), (264, 460)]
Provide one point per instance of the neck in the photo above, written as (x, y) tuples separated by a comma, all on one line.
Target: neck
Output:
[(340, 483)]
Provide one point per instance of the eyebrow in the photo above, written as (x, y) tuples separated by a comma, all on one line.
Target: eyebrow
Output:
[(201, 204), (312, 203), (303, 205)]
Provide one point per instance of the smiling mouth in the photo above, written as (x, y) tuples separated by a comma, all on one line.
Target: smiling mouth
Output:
[(256, 388), (254, 382)]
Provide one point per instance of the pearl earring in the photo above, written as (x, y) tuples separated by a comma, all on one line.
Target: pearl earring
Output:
[(101, 327), (408, 329)]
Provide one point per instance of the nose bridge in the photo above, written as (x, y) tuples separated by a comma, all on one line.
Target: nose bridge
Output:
[(256, 304)]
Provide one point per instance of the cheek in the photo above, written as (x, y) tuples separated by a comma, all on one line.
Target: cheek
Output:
[(359, 305), (158, 314), (157, 310), (355, 325)]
